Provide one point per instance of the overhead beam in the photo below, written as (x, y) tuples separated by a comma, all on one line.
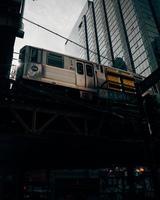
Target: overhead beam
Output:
[(149, 82)]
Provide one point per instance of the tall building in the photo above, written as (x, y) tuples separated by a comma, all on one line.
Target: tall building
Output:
[(113, 31)]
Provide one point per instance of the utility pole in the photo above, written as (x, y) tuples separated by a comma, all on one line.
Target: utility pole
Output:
[(11, 12)]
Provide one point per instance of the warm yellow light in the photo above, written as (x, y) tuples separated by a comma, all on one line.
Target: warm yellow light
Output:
[(141, 169)]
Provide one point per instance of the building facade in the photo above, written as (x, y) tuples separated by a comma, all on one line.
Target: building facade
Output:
[(114, 32)]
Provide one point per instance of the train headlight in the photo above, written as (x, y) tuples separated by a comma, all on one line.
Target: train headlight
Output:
[(35, 71), (34, 68)]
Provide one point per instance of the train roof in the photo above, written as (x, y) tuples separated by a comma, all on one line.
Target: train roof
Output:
[(58, 53)]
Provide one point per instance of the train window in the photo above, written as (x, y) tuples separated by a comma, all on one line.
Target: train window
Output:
[(89, 69), (55, 60), (22, 56), (34, 55), (97, 66), (101, 67), (80, 68)]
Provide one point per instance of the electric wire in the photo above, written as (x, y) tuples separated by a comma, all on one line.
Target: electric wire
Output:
[(67, 39)]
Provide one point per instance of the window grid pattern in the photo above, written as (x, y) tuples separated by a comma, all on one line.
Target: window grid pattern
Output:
[(82, 40), (104, 49), (140, 28), (91, 35), (148, 29), (113, 21), (135, 38), (148, 20)]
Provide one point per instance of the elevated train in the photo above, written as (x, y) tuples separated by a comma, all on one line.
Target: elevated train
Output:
[(84, 76)]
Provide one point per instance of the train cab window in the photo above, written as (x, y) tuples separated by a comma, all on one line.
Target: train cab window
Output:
[(34, 55), (55, 60), (89, 69), (22, 55), (80, 68)]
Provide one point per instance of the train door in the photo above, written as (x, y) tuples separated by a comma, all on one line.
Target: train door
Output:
[(89, 72), (100, 76), (80, 74)]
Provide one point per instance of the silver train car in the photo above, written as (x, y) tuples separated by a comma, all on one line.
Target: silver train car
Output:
[(58, 69)]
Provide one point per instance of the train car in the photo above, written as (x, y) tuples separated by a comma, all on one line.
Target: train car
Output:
[(58, 69)]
